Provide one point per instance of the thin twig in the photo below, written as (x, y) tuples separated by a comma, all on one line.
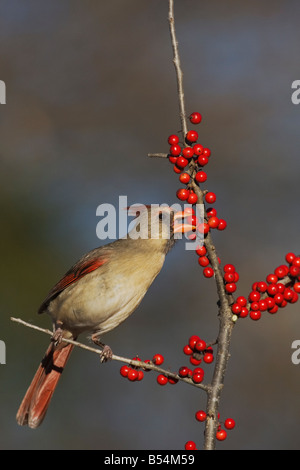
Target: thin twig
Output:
[(132, 362)]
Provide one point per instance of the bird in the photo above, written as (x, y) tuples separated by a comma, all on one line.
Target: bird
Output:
[(98, 293)]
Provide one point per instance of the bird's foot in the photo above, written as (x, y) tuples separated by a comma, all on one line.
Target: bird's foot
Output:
[(106, 353), (57, 335)]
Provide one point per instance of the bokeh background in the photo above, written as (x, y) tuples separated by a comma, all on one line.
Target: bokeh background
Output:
[(91, 90)]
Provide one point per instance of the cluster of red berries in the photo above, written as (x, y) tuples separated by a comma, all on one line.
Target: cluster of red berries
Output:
[(271, 294), (181, 156), (221, 433)]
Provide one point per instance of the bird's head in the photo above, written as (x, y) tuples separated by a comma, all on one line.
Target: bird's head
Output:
[(158, 224)]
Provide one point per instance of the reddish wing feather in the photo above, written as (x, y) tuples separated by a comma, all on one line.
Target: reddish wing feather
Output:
[(80, 269)]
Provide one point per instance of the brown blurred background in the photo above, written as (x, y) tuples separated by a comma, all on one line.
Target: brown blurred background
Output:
[(91, 90)]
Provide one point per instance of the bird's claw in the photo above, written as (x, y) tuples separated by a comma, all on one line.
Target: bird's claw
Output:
[(106, 354), (57, 336)]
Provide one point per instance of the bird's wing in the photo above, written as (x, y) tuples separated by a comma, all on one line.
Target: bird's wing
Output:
[(81, 268)]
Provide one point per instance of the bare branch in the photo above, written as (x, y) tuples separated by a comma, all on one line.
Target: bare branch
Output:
[(132, 362)]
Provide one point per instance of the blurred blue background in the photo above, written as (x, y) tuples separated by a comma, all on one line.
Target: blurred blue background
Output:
[(91, 90)]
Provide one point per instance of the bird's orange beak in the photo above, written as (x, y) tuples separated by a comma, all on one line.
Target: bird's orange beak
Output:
[(182, 227)]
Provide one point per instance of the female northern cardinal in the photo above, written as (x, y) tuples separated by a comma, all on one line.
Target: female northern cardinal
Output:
[(98, 293)]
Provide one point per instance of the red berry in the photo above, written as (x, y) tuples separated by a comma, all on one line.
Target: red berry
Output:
[(236, 309), (193, 340), (188, 152), (190, 445), (244, 312), (201, 177), (172, 381), (296, 261), (221, 435), (201, 250), (124, 371), (203, 228), (184, 178), (208, 272), (162, 379), (183, 371), (278, 298), (288, 294), (272, 289), (198, 149), (271, 278), (242, 301), (222, 224), (208, 358), (281, 271), (206, 152), (297, 287), (183, 194), (254, 296), (187, 350), (213, 222), (193, 198), (195, 118), (203, 261), (197, 378), (200, 345), (270, 302), (229, 277), (255, 314), (211, 212), (172, 159), (191, 136), (194, 361), (132, 375), (173, 139), (158, 359), (200, 415), (229, 268), (175, 150), (140, 375), (262, 305), (229, 423), (289, 257), (210, 197), (262, 286), (274, 309), (182, 162), (202, 160), (177, 169), (230, 288), (294, 271)]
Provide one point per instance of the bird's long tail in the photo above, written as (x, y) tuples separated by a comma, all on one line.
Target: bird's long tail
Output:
[(34, 406)]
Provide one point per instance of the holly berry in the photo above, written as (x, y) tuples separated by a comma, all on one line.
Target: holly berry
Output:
[(175, 150), (206, 152), (184, 178), (187, 350), (158, 359), (202, 160), (200, 415), (203, 261), (208, 358), (229, 423), (132, 375), (213, 222), (195, 118), (200, 345), (289, 257), (192, 198), (182, 162), (188, 152), (201, 177), (191, 136), (230, 287), (162, 379), (210, 197), (190, 445), (124, 371), (183, 194), (173, 139), (221, 434), (198, 149), (201, 250), (222, 224), (208, 272)]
